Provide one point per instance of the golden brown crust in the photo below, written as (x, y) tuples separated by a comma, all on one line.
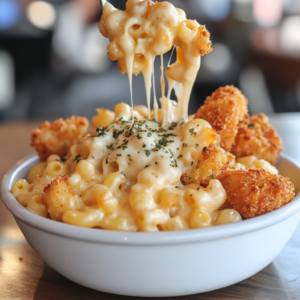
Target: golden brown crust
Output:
[(223, 110), (205, 43), (212, 162), (57, 196), (56, 138), (255, 192), (257, 137)]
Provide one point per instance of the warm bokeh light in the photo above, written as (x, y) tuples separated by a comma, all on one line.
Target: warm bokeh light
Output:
[(290, 35), (267, 12), (41, 14)]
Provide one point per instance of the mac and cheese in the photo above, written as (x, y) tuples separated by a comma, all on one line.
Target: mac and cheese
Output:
[(151, 170)]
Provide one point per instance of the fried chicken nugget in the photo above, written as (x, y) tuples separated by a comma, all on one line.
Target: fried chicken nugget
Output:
[(255, 192), (223, 110), (257, 137), (56, 138), (213, 161), (59, 197)]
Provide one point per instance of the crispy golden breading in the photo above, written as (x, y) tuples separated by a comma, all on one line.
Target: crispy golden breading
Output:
[(212, 162), (56, 138), (257, 137), (58, 197), (255, 192), (223, 110)]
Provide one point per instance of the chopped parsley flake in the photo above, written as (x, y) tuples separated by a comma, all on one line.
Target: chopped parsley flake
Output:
[(205, 149), (251, 126), (204, 117), (63, 159), (192, 131), (77, 158), (138, 136), (116, 133), (119, 154), (149, 134), (184, 145), (173, 125), (148, 152), (100, 131), (106, 160), (212, 176)]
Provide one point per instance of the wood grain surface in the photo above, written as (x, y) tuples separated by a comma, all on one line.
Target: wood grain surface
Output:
[(24, 276)]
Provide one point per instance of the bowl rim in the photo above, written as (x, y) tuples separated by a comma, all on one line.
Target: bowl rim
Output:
[(138, 238)]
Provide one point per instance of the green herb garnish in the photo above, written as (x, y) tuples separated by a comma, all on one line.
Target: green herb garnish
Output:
[(100, 131), (77, 158)]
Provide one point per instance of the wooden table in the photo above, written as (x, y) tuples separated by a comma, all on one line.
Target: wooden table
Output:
[(23, 274)]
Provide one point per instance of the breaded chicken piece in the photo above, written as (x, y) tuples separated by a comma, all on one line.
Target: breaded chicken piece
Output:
[(213, 161), (257, 137), (255, 192), (56, 138), (59, 197), (223, 110)]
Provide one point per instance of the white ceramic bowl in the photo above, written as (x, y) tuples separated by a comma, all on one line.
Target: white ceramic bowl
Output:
[(157, 264)]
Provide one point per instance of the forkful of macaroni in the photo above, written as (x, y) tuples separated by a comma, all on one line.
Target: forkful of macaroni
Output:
[(144, 169)]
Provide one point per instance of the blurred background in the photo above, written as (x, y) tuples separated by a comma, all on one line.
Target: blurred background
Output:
[(53, 60)]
